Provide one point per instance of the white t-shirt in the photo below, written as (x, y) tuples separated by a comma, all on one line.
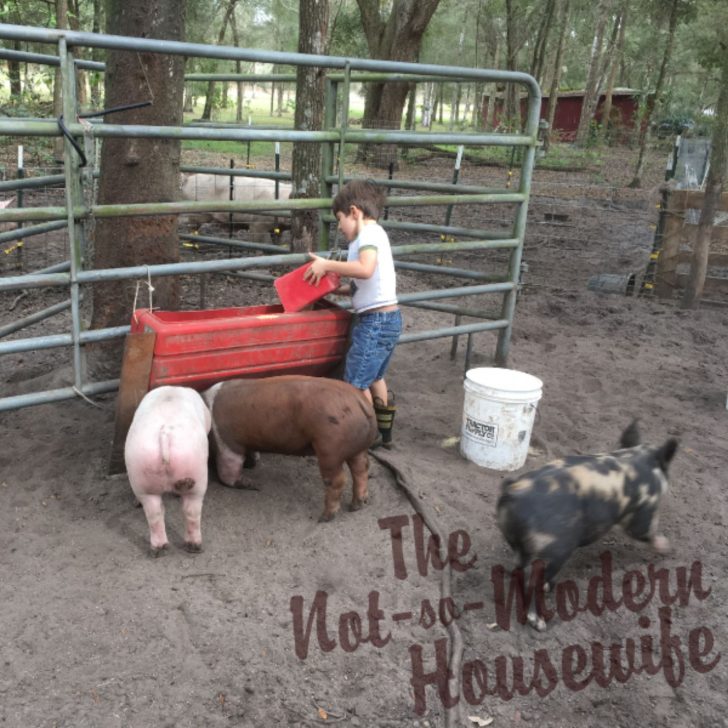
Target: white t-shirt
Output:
[(381, 288)]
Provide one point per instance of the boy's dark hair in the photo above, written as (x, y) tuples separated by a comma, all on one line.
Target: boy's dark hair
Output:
[(360, 193)]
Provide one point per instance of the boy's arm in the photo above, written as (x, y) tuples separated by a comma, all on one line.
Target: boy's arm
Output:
[(363, 267)]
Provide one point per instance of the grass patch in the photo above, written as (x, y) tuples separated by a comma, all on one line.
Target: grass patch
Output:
[(257, 150), (564, 157)]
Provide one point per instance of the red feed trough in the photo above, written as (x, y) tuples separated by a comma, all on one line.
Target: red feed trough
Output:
[(199, 348)]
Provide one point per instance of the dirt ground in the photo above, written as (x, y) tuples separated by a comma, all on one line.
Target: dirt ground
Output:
[(285, 621)]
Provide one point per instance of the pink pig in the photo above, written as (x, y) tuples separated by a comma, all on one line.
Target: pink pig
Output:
[(7, 226), (166, 452)]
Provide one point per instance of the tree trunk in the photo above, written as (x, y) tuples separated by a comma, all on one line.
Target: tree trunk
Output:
[(714, 187), (644, 121), (12, 15), (310, 89), (138, 170), (210, 97), (591, 88), (455, 99), (16, 85), (457, 88), (81, 76), (614, 63), (427, 104), (411, 115), (209, 102), (398, 38), (61, 22), (539, 48), (556, 80), (95, 77), (477, 111), (512, 112), (479, 93), (492, 110)]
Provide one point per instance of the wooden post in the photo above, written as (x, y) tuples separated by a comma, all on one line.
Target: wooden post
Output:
[(133, 385), (677, 234), (666, 278)]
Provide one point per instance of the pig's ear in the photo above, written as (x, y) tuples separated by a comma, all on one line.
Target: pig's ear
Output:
[(665, 454), (631, 436), (6, 203)]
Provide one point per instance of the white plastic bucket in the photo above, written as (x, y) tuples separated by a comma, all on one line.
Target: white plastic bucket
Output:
[(498, 413)]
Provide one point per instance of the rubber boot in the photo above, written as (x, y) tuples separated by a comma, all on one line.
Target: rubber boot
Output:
[(385, 421)]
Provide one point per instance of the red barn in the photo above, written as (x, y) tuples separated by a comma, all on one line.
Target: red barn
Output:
[(625, 105)]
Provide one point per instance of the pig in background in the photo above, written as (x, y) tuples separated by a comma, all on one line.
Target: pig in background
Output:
[(166, 451), (215, 187), (295, 415), (547, 513), (7, 226)]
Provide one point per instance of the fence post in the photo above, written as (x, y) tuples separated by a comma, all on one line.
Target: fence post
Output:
[(666, 282)]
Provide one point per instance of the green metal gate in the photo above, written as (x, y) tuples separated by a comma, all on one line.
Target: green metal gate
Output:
[(336, 137)]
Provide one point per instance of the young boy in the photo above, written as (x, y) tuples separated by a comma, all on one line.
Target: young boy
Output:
[(378, 321)]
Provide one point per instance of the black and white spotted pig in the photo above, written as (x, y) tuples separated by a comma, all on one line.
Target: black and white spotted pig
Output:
[(547, 513)]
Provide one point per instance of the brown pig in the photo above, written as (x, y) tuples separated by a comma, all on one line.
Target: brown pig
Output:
[(295, 415), (166, 451)]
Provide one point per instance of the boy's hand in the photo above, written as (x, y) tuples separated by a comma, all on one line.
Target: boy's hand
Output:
[(316, 271)]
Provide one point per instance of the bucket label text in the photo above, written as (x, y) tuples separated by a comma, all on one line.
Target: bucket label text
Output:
[(487, 434)]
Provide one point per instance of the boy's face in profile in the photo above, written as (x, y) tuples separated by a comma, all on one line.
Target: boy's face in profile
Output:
[(350, 223)]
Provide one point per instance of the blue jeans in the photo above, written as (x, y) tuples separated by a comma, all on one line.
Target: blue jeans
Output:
[(373, 339)]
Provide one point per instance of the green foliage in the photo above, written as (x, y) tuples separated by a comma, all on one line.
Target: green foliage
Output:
[(462, 32), (347, 37)]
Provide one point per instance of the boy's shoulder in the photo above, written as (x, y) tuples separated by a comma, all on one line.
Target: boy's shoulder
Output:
[(373, 232)]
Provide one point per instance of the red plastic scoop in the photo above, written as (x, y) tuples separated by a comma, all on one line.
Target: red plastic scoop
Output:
[(296, 293)]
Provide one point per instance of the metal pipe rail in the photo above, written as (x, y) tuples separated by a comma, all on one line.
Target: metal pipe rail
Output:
[(234, 243), (174, 208), (57, 395), (448, 271), (87, 337), (43, 59), (198, 50), (50, 60), (404, 184), (236, 172), (53, 341), (35, 127), (33, 318), (51, 180), (37, 280), (27, 232)]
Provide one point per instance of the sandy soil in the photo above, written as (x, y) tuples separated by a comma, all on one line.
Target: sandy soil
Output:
[(96, 633)]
